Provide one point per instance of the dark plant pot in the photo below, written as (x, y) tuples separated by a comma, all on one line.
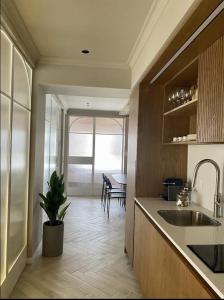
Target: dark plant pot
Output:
[(52, 239)]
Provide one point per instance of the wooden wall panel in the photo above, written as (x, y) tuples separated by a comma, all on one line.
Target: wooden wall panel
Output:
[(211, 94), (131, 171), (208, 36), (155, 161), (149, 140)]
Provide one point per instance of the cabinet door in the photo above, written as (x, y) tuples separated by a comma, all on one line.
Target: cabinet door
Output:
[(159, 269), (211, 94)]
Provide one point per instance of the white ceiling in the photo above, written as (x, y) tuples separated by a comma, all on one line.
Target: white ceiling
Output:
[(98, 98), (62, 28), (88, 91), (93, 103)]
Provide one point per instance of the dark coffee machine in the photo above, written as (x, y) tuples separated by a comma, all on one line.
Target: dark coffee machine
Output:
[(172, 186)]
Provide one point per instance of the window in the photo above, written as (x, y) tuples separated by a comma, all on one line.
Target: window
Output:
[(95, 146)]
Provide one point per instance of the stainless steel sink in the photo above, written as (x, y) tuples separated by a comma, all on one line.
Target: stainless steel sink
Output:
[(187, 218)]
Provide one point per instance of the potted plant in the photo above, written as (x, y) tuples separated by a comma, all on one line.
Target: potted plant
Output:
[(53, 229)]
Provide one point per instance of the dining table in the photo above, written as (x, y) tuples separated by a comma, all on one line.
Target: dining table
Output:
[(120, 178)]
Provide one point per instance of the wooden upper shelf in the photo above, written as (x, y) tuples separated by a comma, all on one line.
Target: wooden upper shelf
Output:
[(188, 108)]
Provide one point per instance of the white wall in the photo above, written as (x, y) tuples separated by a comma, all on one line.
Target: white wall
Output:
[(36, 168), (206, 176)]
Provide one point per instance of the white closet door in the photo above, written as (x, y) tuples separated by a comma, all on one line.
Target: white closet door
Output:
[(19, 183), (16, 81), (5, 158)]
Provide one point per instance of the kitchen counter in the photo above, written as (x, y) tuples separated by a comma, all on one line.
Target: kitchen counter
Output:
[(180, 237)]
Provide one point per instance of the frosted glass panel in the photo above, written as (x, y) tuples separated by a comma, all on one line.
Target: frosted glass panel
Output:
[(6, 64), (55, 137), (79, 174), (108, 155), (59, 142), (80, 144), (48, 108), (109, 125), (22, 87), (81, 124), (5, 150), (80, 136), (53, 149), (19, 182), (46, 156), (52, 152), (79, 180), (55, 114), (108, 147)]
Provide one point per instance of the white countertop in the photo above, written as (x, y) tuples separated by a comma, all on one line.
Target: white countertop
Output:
[(183, 236)]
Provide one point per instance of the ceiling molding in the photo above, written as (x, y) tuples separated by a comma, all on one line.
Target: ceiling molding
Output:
[(44, 60), (152, 18), (13, 23)]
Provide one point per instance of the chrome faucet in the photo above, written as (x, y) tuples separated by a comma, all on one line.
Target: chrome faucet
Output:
[(218, 207)]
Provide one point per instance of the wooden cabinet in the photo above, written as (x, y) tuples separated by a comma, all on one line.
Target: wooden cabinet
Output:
[(161, 272), (181, 120), (211, 94), (149, 162), (204, 115)]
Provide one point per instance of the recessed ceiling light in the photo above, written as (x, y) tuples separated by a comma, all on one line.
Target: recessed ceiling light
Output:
[(85, 51)]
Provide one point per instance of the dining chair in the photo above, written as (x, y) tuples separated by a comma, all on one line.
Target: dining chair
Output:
[(106, 187), (113, 193), (103, 187)]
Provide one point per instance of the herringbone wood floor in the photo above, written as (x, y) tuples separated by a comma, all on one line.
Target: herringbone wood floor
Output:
[(93, 264)]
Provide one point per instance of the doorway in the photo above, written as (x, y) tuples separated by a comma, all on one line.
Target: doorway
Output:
[(95, 145)]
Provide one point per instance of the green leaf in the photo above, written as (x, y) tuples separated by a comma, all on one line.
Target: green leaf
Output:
[(46, 211), (54, 198), (43, 197), (53, 179), (43, 205), (63, 212)]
